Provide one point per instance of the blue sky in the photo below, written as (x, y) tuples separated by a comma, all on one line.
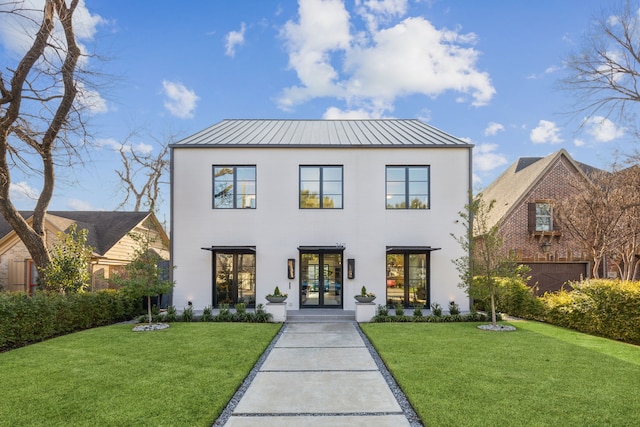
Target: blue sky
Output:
[(484, 71)]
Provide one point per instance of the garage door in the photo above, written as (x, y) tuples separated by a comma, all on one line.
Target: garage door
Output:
[(550, 277)]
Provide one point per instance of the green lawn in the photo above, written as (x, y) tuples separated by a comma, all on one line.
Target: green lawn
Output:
[(111, 376), (540, 375)]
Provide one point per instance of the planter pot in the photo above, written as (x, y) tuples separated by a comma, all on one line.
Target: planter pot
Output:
[(276, 299), (360, 298)]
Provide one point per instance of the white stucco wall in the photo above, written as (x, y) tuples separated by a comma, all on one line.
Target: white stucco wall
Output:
[(277, 226)]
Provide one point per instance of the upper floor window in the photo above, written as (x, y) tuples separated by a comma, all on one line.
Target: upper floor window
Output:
[(540, 217), (320, 187), (407, 187), (234, 187)]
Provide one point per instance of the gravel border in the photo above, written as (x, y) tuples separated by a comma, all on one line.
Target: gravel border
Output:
[(407, 409)]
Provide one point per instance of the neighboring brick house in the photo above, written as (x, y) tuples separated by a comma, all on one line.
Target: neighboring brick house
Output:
[(108, 235), (524, 195)]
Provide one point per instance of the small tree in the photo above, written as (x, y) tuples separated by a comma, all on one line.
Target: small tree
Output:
[(70, 259), (486, 261), (144, 276)]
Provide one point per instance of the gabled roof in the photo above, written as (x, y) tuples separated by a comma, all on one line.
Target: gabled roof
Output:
[(105, 228), (514, 184), (321, 133)]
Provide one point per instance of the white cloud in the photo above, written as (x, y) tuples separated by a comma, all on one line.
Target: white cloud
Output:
[(17, 34), (80, 205), (90, 99), (578, 142), (486, 159), (376, 12), (549, 70), (234, 38), (546, 131), (323, 27), (22, 191), (181, 102), (334, 113), (493, 128), (603, 129), (109, 142), (140, 147), (380, 64)]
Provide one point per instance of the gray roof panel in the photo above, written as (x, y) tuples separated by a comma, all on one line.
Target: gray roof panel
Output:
[(320, 133)]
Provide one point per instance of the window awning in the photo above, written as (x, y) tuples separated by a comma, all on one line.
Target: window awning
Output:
[(230, 249), (420, 249), (336, 248)]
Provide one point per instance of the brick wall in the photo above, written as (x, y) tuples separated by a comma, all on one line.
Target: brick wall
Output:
[(514, 228)]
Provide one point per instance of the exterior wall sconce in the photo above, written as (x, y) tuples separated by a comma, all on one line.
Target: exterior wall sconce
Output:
[(351, 268), (291, 268), (545, 246)]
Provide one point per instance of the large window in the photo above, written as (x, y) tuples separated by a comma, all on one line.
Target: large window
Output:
[(320, 187), (235, 277), (407, 187), (407, 278), (234, 187)]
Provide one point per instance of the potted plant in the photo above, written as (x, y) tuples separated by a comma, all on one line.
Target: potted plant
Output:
[(365, 296), (276, 296)]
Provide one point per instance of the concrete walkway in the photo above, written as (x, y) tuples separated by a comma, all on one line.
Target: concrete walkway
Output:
[(318, 374)]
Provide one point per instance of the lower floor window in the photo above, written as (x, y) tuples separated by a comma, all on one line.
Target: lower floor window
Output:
[(235, 278), (407, 279)]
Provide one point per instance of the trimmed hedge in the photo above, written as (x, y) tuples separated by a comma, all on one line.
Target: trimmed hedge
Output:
[(25, 320), (607, 308), (383, 316)]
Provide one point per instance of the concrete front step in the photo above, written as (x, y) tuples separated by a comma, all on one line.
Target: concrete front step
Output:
[(320, 316)]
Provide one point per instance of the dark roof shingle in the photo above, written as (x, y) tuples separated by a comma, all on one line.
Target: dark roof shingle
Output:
[(105, 228)]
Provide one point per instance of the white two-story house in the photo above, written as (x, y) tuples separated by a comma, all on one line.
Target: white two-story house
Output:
[(318, 208)]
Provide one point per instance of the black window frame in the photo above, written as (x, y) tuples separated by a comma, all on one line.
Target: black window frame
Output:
[(234, 195), (406, 254), (407, 183), (321, 182)]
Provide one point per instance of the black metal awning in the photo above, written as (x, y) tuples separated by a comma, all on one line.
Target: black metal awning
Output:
[(230, 249), (415, 249), (336, 248)]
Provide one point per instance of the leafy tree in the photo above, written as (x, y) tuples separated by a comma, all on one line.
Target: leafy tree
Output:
[(486, 264), (144, 276), (42, 96), (70, 260)]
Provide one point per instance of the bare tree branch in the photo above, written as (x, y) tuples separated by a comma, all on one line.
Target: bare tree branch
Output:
[(38, 113), (142, 174), (604, 75)]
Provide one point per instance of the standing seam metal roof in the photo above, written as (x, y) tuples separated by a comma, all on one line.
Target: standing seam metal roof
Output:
[(321, 133)]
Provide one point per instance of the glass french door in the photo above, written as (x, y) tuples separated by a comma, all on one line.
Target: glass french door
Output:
[(407, 279), (235, 278), (321, 279)]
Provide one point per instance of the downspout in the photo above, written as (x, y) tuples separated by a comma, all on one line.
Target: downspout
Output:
[(469, 201), (171, 217)]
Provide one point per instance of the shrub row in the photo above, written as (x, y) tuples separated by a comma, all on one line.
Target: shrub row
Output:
[(382, 315), (225, 315), (607, 308), (25, 320)]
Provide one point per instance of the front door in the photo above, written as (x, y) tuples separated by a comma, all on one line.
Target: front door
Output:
[(321, 279), (235, 278)]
